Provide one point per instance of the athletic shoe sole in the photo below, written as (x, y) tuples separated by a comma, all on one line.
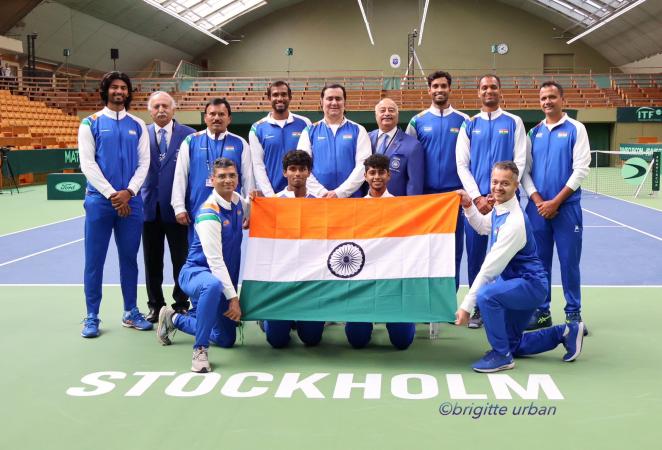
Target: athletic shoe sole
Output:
[(579, 341), (89, 336), (132, 325), (495, 369)]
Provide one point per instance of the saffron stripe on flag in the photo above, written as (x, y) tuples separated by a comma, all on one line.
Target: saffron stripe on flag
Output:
[(353, 218)]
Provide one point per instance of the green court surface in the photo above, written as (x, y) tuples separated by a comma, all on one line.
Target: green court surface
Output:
[(33, 210), (611, 395)]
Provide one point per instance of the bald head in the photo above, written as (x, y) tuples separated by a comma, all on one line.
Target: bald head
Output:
[(386, 114)]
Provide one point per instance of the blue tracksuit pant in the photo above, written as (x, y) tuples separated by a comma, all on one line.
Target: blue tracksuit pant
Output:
[(506, 307), (101, 220), (278, 332), (205, 319), (401, 334), (564, 230)]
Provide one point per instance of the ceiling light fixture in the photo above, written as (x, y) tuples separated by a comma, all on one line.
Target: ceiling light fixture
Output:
[(365, 19)]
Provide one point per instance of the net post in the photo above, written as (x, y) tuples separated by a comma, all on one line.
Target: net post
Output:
[(656, 174)]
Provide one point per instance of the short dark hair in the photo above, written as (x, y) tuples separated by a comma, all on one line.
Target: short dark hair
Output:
[(377, 161), (439, 74), (224, 163), (334, 86), (297, 158), (279, 83), (551, 83), (490, 75), (106, 81), (217, 102), (507, 165)]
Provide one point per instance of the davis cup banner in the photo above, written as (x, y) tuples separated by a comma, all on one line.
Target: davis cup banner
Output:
[(352, 260)]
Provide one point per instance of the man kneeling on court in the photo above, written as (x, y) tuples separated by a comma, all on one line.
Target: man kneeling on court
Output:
[(377, 174), (512, 282), (211, 272), (297, 166)]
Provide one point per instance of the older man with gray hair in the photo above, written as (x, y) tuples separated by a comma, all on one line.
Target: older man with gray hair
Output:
[(165, 137), (405, 153)]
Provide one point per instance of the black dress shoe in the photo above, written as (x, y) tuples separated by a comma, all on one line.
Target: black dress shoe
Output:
[(153, 315), (180, 308)]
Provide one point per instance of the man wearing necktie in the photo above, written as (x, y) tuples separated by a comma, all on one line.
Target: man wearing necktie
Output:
[(165, 137), (404, 152)]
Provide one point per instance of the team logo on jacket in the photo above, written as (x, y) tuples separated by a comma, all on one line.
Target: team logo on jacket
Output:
[(475, 131), (395, 163), (230, 147), (133, 132), (347, 137), (455, 130), (562, 134), (503, 131), (427, 129), (539, 135), (226, 223), (269, 136), (296, 133), (321, 138), (239, 212)]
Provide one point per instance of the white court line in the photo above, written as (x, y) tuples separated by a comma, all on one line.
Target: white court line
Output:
[(624, 225), (41, 226), (604, 226), (623, 200), (39, 253)]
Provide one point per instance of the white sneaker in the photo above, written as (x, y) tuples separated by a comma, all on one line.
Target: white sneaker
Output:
[(165, 327), (200, 362)]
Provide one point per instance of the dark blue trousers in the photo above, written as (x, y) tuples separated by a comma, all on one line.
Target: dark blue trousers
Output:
[(278, 332), (101, 220), (564, 230), (401, 334), (205, 319)]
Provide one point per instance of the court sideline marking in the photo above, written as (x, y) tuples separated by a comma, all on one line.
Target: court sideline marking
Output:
[(623, 225), (599, 194), (41, 226), (40, 252)]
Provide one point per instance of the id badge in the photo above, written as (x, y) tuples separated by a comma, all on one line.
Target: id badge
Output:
[(208, 183)]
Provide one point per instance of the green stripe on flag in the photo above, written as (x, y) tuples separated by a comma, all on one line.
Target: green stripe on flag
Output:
[(397, 300)]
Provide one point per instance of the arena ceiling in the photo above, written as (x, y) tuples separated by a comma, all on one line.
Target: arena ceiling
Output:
[(635, 35)]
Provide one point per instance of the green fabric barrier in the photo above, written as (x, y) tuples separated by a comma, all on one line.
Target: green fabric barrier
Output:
[(42, 161)]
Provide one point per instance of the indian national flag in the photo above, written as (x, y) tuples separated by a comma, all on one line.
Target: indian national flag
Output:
[(365, 260)]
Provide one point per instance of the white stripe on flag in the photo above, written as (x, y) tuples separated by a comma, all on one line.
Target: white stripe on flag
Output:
[(423, 256)]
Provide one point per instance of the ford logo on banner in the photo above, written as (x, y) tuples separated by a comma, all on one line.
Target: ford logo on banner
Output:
[(67, 186)]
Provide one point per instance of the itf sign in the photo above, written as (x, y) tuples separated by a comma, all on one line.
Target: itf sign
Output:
[(642, 114)]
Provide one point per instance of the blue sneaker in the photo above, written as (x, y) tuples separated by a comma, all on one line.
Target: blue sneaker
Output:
[(575, 317), (493, 362), (573, 338), (134, 319), (90, 326)]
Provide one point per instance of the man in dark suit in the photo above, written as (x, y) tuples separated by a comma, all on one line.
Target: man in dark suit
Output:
[(404, 152), (165, 137)]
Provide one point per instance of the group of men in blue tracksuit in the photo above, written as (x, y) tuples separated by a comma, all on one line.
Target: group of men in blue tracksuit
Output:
[(442, 150)]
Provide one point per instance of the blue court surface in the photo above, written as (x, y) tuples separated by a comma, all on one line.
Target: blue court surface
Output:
[(622, 247)]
